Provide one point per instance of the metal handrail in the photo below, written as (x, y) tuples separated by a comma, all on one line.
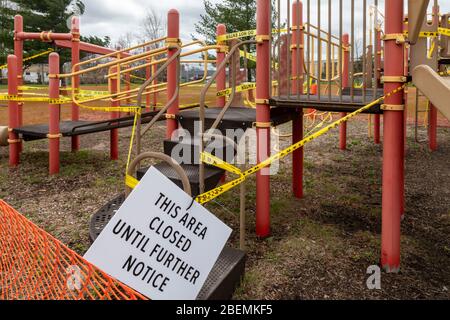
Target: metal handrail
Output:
[(219, 118), (162, 86), (143, 87), (163, 157)]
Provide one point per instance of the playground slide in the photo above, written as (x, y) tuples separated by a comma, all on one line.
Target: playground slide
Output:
[(434, 87), (3, 136)]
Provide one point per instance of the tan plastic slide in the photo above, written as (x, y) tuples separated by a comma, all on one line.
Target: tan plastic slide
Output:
[(434, 87), (3, 136)]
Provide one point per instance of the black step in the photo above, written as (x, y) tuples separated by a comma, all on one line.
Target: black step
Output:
[(212, 176), (77, 128), (225, 276), (345, 103), (220, 149), (235, 118), (359, 92)]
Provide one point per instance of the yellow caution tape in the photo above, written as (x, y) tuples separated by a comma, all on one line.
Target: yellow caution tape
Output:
[(247, 55), (444, 31), (28, 88), (212, 160), (243, 34), (243, 87), (34, 99), (87, 93), (236, 35), (131, 181), (136, 77), (31, 58), (215, 161), (210, 195), (433, 34)]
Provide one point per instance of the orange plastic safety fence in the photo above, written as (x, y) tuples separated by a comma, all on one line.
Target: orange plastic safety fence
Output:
[(36, 266)]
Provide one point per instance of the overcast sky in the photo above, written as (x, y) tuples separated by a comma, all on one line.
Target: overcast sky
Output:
[(114, 18)]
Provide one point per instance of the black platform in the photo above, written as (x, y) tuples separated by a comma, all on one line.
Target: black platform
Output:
[(212, 176), (234, 118), (335, 104), (77, 128), (225, 276)]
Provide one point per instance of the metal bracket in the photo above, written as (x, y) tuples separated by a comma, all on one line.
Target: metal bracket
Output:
[(399, 38), (173, 43), (262, 37), (294, 46), (394, 79), (393, 107), (263, 125), (222, 49), (262, 101), (295, 28), (54, 136), (171, 116)]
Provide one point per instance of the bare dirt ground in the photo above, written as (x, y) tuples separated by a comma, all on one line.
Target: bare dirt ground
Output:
[(320, 246)]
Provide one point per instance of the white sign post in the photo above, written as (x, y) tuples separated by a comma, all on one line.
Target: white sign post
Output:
[(156, 245)]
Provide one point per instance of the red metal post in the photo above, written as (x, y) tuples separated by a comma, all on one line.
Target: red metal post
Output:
[(173, 35), (148, 74), (18, 52), (54, 109), (114, 134), (377, 118), (128, 87), (393, 149), (221, 79), (13, 112), (263, 31), (433, 114), (155, 82), (75, 30), (345, 84), (297, 88), (432, 128)]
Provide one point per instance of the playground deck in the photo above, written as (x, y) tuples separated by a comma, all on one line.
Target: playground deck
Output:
[(78, 128), (345, 103)]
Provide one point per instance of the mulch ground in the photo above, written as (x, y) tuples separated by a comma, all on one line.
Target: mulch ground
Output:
[(320, 246)]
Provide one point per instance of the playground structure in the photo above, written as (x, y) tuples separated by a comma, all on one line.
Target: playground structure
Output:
[(308, 49)]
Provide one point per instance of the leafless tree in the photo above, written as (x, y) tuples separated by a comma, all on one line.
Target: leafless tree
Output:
[(127, 40), (153, 26)]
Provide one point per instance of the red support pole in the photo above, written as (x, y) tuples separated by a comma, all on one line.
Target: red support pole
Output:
[(173, 34), (393, 149), (18, 52), (44, 36), (54, 109), (128, 88), (263, 31), (155, 82), (377, 118), (13, 113), (114, 134), (148, 75), (405, 98), (345, 84), (433, 115), (221, 79), (432, 128), (75, 30), (297, 88)]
